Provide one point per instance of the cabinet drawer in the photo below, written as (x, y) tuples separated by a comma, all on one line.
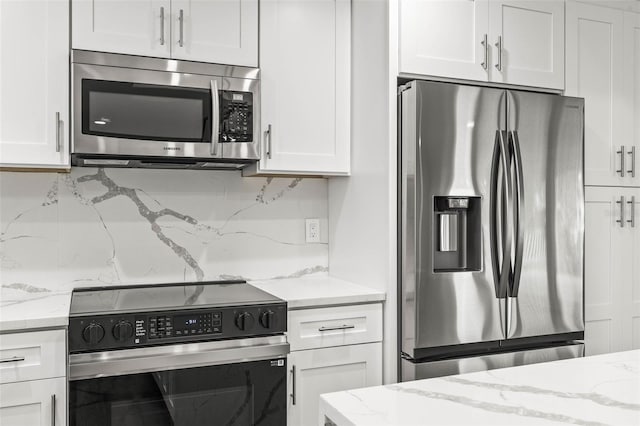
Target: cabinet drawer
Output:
[(32, 355), (335, 326)]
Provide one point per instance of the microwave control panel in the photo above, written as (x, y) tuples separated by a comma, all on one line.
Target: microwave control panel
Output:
[(236, 116)]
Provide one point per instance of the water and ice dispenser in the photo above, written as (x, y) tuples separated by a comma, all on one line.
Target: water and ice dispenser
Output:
[(458, 234)]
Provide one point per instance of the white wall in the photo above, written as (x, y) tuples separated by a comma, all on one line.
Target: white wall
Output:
[(122, 226)]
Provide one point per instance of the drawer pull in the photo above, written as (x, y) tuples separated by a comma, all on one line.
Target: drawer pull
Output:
[(12, 359), (53, 410), (339, 327)]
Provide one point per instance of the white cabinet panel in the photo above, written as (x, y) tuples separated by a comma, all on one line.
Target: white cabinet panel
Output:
[(305, 75), (34, 403), (319, 371), (530, 42), (32, 355), (631, 100), (444, 38), (34, 84), (221, 31), (137, 27)]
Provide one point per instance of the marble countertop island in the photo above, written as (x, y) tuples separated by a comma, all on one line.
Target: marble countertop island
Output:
[(596, 390)]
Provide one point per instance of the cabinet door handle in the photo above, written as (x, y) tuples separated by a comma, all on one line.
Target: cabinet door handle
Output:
[(632, 153), (293, 385), (622, 154), (267, 134), (181, 19), (499, 46), (485, 63), (632, 211), (53, 410), (339, 327), (58, 132), (621, 220), (162, 26), (12, 359)]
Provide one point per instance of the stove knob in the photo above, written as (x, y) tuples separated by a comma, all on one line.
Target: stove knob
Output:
[(93, 333), (268, 319), (122, 331), (244, 321)]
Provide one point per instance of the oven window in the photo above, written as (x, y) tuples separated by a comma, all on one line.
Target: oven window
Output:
[(251, 393), (144, 111)]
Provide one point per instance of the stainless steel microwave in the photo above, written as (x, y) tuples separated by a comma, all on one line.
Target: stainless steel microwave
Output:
[(132, 111)]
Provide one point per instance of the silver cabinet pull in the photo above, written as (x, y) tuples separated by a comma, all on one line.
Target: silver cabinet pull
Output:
[(339, 327), (632, 211), (162, 26), (267, 134), (499, 46), (632, 153), (293, 385), (53, 410), (12, 359), (181, 19), (215, 119), (622, 206), (622, 154), (58, 132), (485, 63)]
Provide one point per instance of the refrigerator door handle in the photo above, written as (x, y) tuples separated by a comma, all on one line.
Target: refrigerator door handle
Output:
[(501, 267), (517, 213)]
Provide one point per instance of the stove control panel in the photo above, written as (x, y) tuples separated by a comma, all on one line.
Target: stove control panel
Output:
[(122, 331)]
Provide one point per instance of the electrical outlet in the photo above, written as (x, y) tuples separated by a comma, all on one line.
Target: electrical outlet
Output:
[(312, 230)]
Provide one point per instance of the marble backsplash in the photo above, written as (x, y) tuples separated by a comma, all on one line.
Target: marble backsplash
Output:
[(100, 227)]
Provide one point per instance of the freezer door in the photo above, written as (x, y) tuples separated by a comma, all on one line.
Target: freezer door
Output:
[(547, 289), (448, 133), (449, 367)]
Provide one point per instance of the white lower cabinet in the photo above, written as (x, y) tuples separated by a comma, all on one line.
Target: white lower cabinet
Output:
[(34, 403)]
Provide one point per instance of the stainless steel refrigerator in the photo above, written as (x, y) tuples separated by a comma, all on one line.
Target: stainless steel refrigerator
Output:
[(491, 228)]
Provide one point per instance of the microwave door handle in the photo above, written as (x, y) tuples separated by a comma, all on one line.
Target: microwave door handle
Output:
[(215, 118)]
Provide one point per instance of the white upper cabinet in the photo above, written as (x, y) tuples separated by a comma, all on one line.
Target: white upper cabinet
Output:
[(514, 42), (444, 38), (219, 31), (305, 78), (528, 42), (34, 84), (602, 56)]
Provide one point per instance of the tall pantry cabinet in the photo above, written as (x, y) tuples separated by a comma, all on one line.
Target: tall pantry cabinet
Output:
[(603, 66)]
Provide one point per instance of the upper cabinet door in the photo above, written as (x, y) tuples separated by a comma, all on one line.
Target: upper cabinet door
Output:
[(220, 31), (136, 27), (34, 84), (305, 75), (631, 78), (527, 40), (444, 38), (595, 72)]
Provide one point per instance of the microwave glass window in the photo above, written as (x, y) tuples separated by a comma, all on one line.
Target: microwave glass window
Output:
[(147, 112)]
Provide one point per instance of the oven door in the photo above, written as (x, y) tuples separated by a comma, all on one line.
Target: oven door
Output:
[(237, 382)]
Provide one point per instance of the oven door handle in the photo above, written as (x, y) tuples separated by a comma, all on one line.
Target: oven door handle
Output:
[(174, 357), (215, 118)]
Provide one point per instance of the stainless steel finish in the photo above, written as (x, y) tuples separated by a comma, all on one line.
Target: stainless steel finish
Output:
[(115, 67), (173, 357), (632, 153), (499, 46), (485, 44), (12, 359), (57, 132), (339, 327), (622, 207), (162, 26), (440, 125), (622, 153), (53, 410), (293, 385), (268, 135), (519, 208), (215, 125), (632, 211), (448, 232), (427, 370), (505, 201), (181, 19)]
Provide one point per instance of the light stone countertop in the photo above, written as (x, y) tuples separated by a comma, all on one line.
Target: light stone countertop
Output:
[(316, 291), (595, 390), (22, 310)]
